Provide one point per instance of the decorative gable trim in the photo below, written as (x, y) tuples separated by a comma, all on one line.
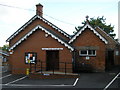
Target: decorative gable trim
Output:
[(46, 31), (94, 31), (31, 20), (107, 35)]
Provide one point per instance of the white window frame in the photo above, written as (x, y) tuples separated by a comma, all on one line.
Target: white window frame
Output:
[(87, 53)]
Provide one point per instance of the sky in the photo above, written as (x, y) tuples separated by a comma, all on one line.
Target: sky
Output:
[(66, 14)]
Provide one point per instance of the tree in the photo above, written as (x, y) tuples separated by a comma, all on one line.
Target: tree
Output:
[(5, 47), (100, 22)]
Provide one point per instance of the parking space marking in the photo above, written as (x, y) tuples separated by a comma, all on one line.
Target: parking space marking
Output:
[(6, 76), (30, 85), (112, 81), (16, 80), (75, 81)]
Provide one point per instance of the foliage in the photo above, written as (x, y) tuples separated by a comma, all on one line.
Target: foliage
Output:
[(100, 22), (5, 47)]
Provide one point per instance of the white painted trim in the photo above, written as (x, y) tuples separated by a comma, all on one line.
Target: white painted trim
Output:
[(46, 31), (107, 34), (95, 32), (52, 48), (86, 54), (31, 20)]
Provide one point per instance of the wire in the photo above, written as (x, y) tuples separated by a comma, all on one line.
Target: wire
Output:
[(34, 10), (16, 7)]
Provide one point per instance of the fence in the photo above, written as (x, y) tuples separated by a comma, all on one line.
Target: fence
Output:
[(41, 67)]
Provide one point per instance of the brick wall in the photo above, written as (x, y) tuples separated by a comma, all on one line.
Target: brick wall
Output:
[(89, 39), (35, 43)]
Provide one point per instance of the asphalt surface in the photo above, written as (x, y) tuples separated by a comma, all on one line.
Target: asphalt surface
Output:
[(86, 81)]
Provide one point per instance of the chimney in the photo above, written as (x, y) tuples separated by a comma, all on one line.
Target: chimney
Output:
[(39, 9)]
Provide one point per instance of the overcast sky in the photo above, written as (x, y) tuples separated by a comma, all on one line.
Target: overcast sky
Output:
[(67, 14)]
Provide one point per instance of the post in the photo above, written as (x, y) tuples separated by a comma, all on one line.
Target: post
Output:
[(35, 67), (65, 68), (41, 66), (27, 71), (53, 70)]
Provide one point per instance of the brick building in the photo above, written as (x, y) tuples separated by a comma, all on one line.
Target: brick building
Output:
[(39, 40)]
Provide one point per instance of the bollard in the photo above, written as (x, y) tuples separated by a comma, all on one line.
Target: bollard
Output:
[(27, 71)]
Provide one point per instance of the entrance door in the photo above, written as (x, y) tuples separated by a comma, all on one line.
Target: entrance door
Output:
[(52, 60), (110, 59)]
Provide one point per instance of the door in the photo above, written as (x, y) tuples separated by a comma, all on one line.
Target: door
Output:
[(52, 61), (109, 59)]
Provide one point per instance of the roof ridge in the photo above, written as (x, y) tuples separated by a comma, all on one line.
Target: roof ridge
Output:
[(43, 19), (55, 26)]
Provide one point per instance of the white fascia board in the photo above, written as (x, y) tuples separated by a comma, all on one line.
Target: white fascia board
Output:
[(107, 34), (95, 32), (34, 29), (24, 26)]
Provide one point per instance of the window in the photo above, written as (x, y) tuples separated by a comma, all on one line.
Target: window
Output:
[(30, 57), (87, 52), (117, 53)]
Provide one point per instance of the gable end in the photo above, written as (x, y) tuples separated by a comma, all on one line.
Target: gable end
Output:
[(30, 21), (94, 31), (43, 29)]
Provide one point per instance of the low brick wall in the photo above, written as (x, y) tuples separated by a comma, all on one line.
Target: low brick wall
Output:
[(51, 76)]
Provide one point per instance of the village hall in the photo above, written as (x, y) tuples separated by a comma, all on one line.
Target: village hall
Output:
[(39, 45)]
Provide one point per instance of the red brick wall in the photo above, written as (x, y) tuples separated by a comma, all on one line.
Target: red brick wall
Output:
[(88, 38), (35, 43)]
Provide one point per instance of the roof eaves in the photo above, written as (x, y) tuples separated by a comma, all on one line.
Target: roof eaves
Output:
[(20, 29), (107, 34), (54, 26), (34, 29), (30, 21), (95, 32)]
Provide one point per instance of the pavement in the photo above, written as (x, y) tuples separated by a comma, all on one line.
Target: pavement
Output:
[(109, 80)]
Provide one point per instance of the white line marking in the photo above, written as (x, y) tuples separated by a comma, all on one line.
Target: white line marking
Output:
[(24, 85), (5, 76), (75, 81), (16, 80), (112, 81)]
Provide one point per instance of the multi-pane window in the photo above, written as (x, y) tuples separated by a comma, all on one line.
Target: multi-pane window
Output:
[(87, 52), (30, 57)]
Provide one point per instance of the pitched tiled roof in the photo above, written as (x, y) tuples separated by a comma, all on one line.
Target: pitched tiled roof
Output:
[(105, 35), (49, 32), (94, 31), (31, 20)]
